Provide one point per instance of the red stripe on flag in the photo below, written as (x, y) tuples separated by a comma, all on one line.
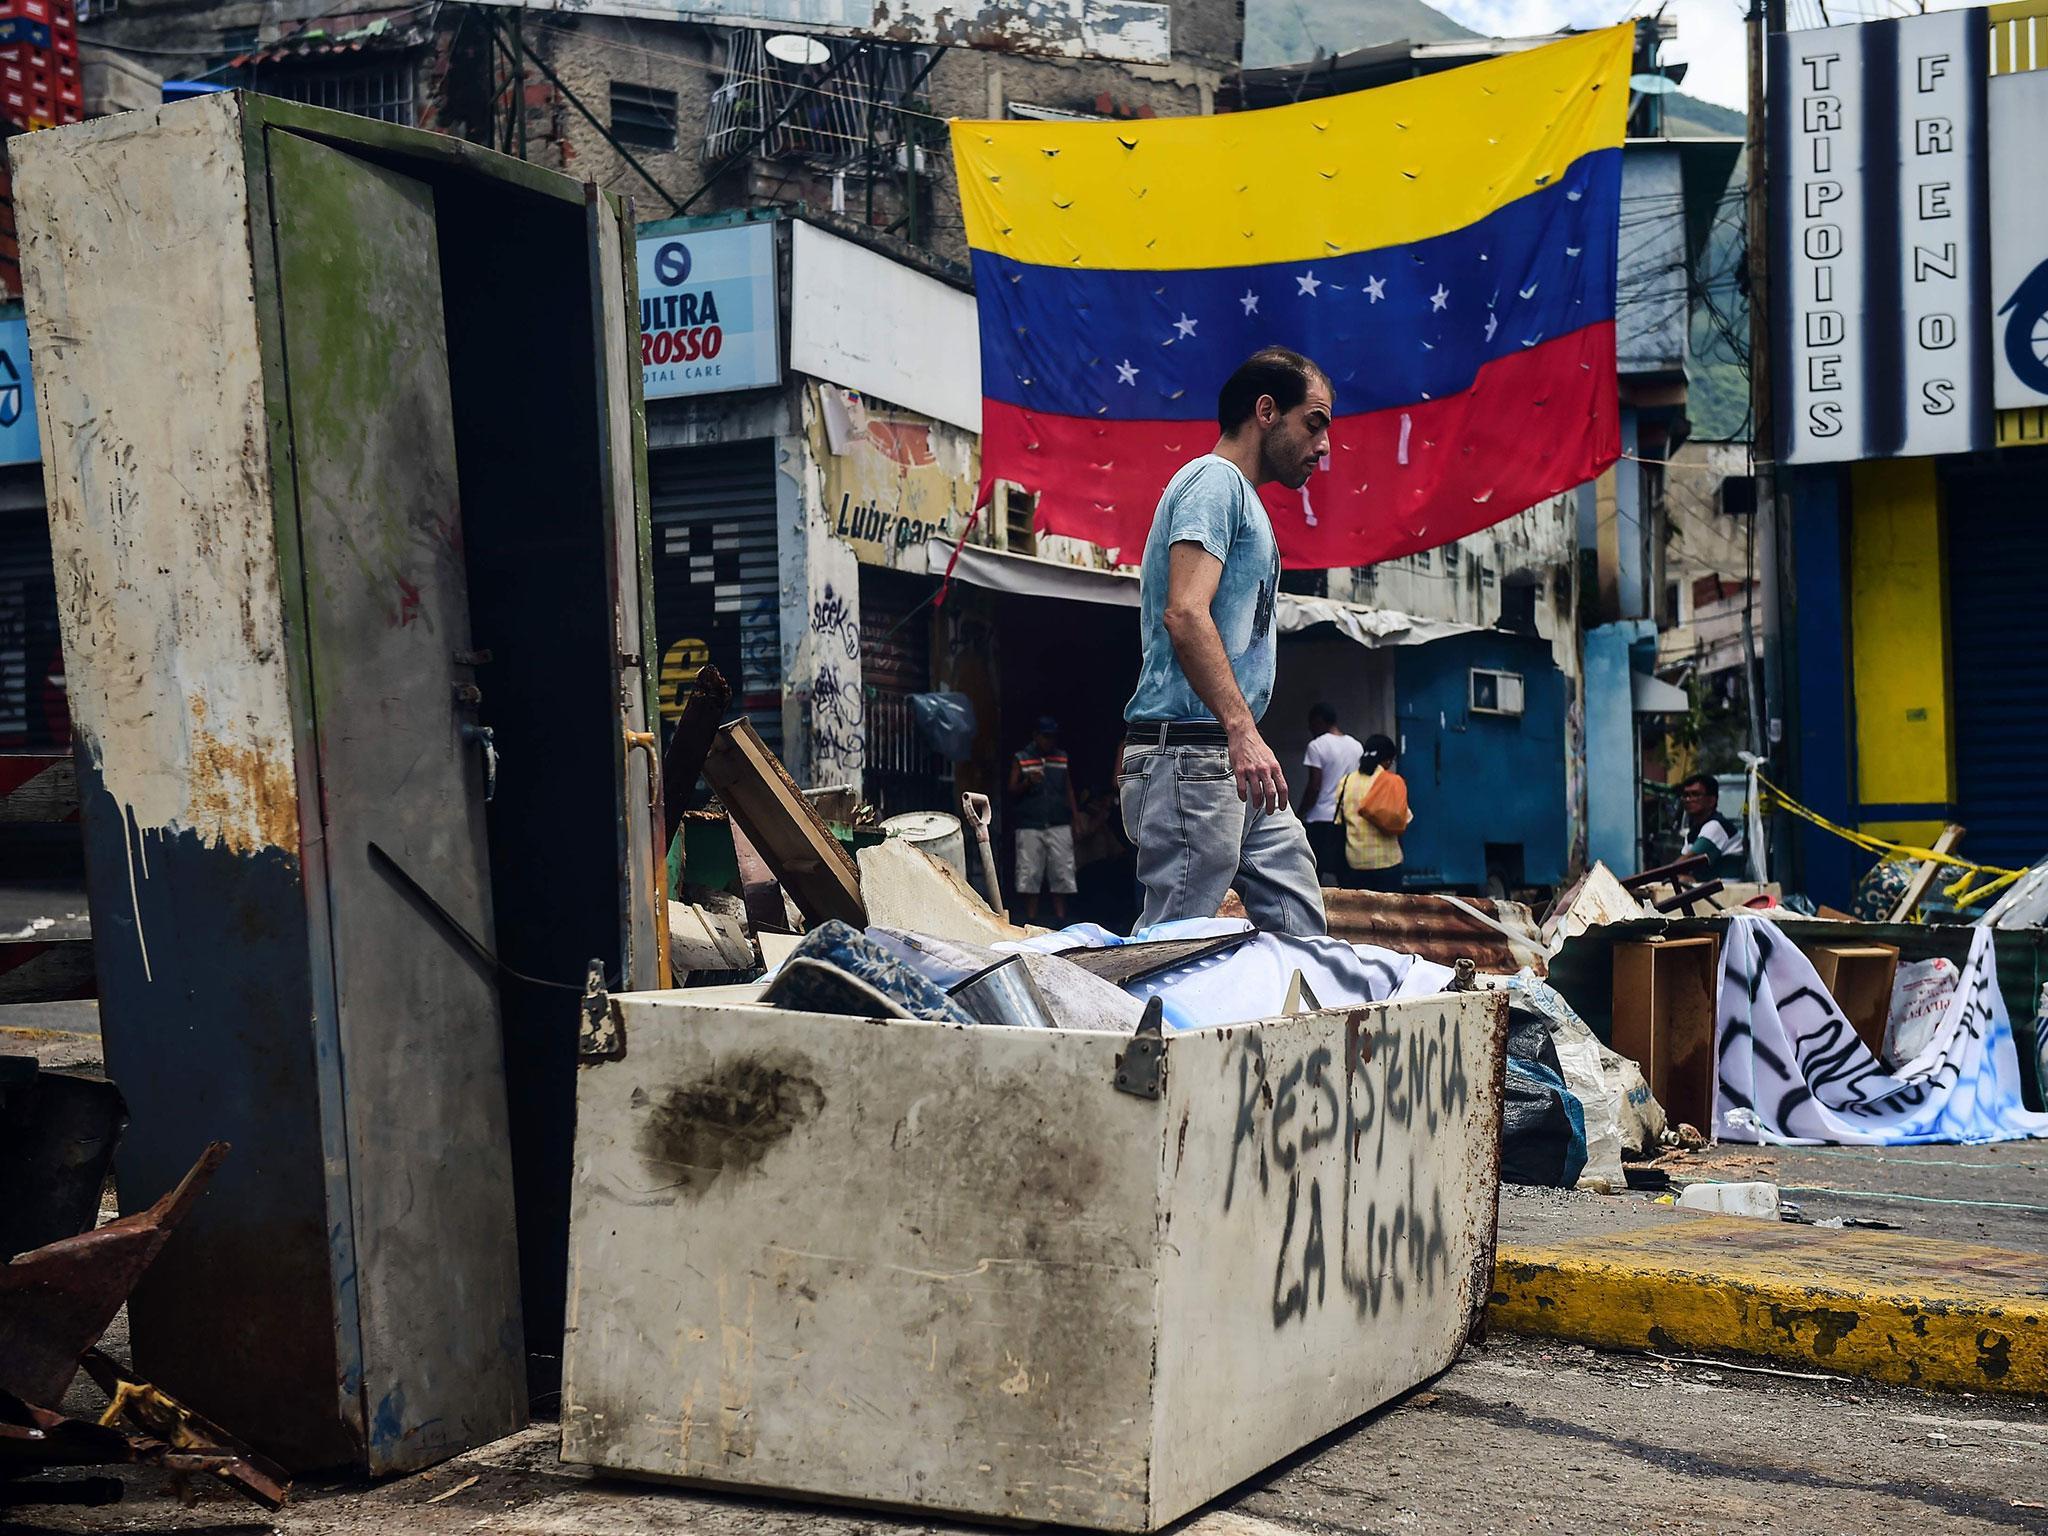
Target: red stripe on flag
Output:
[(1400, 480)]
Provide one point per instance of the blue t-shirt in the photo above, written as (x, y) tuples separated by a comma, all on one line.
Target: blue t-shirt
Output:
[(1209, 503)]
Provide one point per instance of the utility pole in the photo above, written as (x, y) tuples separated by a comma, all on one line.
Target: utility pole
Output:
[(1762, 425), (1770, 540)]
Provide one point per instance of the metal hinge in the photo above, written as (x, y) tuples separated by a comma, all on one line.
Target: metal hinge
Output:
[(600, 1037), (1141, 1067)]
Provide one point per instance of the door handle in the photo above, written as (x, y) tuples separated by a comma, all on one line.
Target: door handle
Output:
[(485, 737)]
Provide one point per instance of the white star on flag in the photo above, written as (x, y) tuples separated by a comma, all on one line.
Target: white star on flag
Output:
[(1184, 325), (1528, 292), (1126, 374), (1375, 288), (1250, 301), (1492, 325), (1308, 282), (1440, 298)]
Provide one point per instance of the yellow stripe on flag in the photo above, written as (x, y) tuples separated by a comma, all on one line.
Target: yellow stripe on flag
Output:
[(1299, 183)]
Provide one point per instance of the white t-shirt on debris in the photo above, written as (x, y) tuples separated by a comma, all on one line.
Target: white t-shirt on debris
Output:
[(1336, 755)]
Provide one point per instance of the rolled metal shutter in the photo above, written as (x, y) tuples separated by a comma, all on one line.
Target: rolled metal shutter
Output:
[(32, 710), (717, 595), (1997, 552), (901, 771)]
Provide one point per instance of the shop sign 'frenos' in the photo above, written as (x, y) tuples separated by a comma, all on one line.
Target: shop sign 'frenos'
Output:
[(707, 309), (1880, 257)]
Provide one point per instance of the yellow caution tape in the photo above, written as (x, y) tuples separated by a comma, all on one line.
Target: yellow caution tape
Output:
[(1963, 892)]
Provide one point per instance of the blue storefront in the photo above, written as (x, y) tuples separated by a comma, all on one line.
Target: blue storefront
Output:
[(1481, 730)]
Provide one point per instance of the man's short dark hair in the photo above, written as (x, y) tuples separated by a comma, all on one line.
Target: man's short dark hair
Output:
[(1322, 717), (1273, 371), (1707, 781)]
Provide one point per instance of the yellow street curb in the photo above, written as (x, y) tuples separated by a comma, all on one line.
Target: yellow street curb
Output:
[(1915, 1311)]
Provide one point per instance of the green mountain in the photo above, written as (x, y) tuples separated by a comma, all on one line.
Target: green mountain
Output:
[(1294, 31), (1687, 117)]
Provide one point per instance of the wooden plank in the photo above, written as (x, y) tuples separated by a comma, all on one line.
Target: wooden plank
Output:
[(46, 970), (683, 763), (765, 804), (39, 787), (1923, 877)]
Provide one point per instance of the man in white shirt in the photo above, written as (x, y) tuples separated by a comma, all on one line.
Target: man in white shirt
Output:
[(1331, 754)]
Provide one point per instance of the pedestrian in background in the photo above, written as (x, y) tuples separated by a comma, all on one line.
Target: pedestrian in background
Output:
[(1331, 756), (1373, 805), (1044, 814)]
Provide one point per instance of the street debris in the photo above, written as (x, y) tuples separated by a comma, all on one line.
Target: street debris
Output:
[(462, 1487), (55, 1302), (1755, 1199), (1751, 1370)]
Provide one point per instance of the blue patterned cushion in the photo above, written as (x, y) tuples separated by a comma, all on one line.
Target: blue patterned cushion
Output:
[(845, 947)]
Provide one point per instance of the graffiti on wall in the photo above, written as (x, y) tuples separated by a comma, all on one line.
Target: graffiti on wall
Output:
[(838, 699)]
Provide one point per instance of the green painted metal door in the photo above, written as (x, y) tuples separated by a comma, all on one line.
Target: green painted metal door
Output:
[(388, 661)]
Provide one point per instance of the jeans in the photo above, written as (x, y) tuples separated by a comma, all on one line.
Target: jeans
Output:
[(1326, 838), (1196, 840)]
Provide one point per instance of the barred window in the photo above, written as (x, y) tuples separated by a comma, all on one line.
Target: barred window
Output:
[(643, 116), (382, 91)]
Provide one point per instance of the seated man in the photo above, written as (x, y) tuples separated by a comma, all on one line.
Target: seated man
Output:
[(1708, 831)]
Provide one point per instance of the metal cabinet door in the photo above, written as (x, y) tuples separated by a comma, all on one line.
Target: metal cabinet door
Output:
[(433, 1278), (643, 848)]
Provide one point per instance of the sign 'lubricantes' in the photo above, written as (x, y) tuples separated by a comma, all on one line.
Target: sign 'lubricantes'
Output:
[(707, 310)]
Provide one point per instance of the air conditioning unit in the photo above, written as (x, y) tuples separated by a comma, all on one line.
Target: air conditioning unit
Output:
[(1496, 693)]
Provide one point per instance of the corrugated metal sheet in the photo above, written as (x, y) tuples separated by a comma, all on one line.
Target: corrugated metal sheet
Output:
[(715, 575), (1433, 927), (1997, 549), (2019, 36)]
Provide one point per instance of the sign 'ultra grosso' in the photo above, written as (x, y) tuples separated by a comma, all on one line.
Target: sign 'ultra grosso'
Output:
[(707, 310)]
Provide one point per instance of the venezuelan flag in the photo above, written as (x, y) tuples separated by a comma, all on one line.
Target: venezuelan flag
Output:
[(1444, 247)]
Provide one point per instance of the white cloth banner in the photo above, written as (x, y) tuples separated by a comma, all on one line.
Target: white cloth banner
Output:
[(1793, 1069)]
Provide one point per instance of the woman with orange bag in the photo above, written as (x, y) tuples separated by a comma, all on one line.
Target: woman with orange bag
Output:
[(1372, 803)]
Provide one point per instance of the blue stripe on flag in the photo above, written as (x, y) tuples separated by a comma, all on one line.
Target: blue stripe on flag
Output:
[(1395, 326)]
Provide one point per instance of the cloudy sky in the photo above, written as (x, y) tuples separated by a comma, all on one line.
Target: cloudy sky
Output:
[(1709, 31)]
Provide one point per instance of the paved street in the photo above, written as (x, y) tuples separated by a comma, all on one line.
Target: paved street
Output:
[(1516, 1437)]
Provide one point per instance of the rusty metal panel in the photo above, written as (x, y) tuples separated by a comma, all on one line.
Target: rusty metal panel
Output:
[(960, 1270), (1125, 31), (172, 604)]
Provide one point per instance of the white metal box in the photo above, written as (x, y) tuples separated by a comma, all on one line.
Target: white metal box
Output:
[(958, 1269)]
